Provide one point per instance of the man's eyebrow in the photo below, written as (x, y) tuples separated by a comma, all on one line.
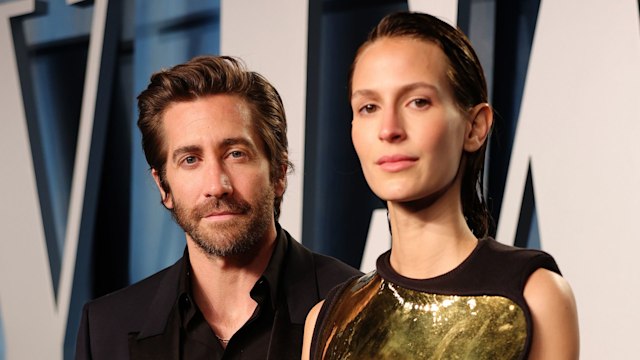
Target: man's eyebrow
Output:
[(185, 150), (237, 141)]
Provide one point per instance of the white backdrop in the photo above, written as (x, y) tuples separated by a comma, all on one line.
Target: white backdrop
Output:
[(578, 124)]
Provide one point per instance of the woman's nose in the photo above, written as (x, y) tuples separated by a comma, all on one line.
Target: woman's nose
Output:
[(392, 127)]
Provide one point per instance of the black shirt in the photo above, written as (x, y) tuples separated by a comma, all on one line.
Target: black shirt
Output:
[(251, 341)]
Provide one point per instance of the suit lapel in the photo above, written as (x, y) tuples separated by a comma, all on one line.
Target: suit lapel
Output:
[(158, 347), (159, 337), (286, 338), (299, 281), (298, 294)]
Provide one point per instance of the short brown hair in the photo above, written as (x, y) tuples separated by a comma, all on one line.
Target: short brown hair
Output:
[(469, 86), (210, 75)]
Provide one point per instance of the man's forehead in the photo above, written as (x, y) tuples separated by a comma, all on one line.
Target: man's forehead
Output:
[(221, 119)]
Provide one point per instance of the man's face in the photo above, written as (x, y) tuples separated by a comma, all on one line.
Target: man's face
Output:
[(220, 190)]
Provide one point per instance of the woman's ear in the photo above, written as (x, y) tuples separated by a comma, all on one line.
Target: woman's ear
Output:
[(478, 127), (164, 196)]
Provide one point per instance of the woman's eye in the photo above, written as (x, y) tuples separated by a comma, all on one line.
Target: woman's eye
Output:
[(369, 108), (420, 103)]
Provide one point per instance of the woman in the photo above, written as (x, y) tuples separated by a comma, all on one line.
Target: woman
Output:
[(445, 290)]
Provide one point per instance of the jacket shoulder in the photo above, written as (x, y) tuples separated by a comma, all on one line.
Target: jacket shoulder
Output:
[(328, 271), (130, 304), (107, 321), (332, 272)]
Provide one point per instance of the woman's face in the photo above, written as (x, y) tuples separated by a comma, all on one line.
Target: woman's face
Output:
[(406, 128)]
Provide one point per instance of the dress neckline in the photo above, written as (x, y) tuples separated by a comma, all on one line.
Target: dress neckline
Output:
[(386, 271)]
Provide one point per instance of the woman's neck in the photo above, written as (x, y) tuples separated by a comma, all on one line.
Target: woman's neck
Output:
[(431, 240)]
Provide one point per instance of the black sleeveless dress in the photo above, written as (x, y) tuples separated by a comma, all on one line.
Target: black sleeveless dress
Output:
[(476, 311)]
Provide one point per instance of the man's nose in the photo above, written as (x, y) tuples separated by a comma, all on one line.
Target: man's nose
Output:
[(218, 181)]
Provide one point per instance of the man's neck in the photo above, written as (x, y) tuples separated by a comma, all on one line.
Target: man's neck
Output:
[(222, 285)]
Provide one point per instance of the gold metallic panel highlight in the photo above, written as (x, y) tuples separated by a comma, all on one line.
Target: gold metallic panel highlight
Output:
[(376, 319)]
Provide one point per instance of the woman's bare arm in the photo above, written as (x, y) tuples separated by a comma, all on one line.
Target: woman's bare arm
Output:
[(555, 317), (309, 326)]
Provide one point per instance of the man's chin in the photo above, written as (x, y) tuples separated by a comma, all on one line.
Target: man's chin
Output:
[(228, 238), (227, 248), (213, 224)]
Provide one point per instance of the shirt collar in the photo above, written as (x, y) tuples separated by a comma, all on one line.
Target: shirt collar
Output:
[(270, 277), (185, 296), (271, 274)]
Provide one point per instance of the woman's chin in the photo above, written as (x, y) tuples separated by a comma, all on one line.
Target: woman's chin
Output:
[(397, 195)]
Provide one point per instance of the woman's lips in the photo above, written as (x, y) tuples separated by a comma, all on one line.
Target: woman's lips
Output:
[(394, 163)]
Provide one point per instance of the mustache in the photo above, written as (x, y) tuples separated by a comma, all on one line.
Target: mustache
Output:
[(233, 205)]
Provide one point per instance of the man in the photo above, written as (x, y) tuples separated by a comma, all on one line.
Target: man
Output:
[(214, 135)]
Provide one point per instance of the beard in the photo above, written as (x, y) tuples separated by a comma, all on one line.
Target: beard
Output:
[(238, 236)]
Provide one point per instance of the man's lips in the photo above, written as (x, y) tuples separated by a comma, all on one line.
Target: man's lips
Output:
[(393, 163), (220, 216), (218, 209), (222, 213)]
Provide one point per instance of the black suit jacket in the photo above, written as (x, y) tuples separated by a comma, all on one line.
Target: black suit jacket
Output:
[(134, 323)]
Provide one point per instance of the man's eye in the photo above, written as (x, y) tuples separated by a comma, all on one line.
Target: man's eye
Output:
[(190, 160), (236, 154)]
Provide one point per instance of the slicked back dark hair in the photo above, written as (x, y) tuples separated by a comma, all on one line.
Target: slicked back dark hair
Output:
[(210, 75)]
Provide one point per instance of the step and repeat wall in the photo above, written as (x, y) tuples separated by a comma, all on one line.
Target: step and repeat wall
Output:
[(80, 216)]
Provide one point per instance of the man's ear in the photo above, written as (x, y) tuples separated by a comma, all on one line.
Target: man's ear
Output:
[(164, 196), (281, 182), (478, 127)]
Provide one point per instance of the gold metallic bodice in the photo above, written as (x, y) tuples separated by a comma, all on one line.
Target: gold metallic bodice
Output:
[(376, 319)]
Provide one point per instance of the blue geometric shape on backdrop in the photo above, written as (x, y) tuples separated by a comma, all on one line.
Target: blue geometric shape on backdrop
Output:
[(527, 233), (51, 46)]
